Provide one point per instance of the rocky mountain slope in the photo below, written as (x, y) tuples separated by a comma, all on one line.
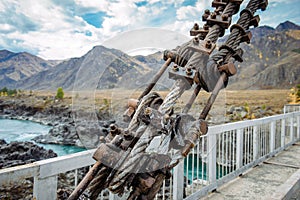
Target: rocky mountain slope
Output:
[(15, 67), (271, 60), (100, 67)]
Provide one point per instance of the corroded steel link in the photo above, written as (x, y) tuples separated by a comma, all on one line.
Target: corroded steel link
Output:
[(216, 30), (135, 155), (96, 186), (230, 9), (146, 138), (146, 100), (94, 190), (170, 100), (234, 38), (86, 181)]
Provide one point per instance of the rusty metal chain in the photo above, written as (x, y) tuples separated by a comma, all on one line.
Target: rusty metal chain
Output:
[(120, 179), (235, 37), (217, 30), (166, 108)]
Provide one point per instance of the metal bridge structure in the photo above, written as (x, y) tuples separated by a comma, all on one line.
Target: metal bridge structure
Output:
[(225, 153)]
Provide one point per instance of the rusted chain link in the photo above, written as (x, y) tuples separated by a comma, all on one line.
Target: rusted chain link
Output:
[(122, 177), (235, 37)]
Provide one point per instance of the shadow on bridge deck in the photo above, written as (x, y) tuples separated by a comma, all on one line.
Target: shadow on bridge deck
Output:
[(276, 178)]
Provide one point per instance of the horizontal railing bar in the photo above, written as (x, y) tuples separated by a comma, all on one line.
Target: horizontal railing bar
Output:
[(13, 174), (242, 124), (293, 105), (65, 163), (47, 168)]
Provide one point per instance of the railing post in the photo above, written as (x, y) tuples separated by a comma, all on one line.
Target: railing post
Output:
[(298, 127), (255, 143), (292, 129), (45, 188), (212, 160), (282, 133), (239, 148), (178, 183), (272, 136), (76, 177)]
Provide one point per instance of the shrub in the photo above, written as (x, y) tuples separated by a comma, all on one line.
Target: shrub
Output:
[(60, 93), (7, 92)]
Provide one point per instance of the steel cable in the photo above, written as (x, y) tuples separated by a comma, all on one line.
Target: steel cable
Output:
[(235, 38)]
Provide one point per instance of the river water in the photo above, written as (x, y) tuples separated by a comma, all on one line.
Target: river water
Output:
[(17, 130)]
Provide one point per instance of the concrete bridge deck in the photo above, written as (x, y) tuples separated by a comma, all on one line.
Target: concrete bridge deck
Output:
[(276, 178)]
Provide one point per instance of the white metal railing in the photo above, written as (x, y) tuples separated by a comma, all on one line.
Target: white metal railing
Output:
[(45, 173), (291, 108), (224, 153), (229, 150)]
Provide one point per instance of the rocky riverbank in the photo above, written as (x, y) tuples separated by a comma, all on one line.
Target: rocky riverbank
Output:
[(20, 153), (57, 114), (91, 124)]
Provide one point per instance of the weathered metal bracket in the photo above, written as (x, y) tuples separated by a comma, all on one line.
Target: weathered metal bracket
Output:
[(200, 32), (222, 20), (180, 72), (217, 3), (202, 46), (108, 154)]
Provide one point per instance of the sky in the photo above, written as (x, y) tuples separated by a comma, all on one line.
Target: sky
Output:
[(62, 29)]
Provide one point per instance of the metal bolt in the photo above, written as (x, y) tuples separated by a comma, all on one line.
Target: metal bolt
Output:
[(196, 26), (208, 44), (189, 71), (213, 15), (205, 27), (114, 130), (196, 40), (113, 127), (175, 68), (225, 17)]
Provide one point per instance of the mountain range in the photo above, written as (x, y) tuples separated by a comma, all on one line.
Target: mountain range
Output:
[(271, 60)]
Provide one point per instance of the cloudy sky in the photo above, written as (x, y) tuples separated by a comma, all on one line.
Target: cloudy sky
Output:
[(60, 29)]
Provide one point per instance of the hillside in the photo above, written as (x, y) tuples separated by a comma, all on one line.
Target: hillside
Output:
[(271, 60), (100, 67), (15, 67)]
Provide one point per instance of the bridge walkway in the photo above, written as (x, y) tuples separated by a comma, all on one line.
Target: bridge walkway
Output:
[(276, 178)]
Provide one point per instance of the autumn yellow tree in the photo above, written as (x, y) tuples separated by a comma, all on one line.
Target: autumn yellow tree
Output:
[(294, 95)]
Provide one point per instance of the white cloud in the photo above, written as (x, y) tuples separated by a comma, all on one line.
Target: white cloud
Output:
[(54, 29), (194, 12), (57, 36), (101, 5)]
